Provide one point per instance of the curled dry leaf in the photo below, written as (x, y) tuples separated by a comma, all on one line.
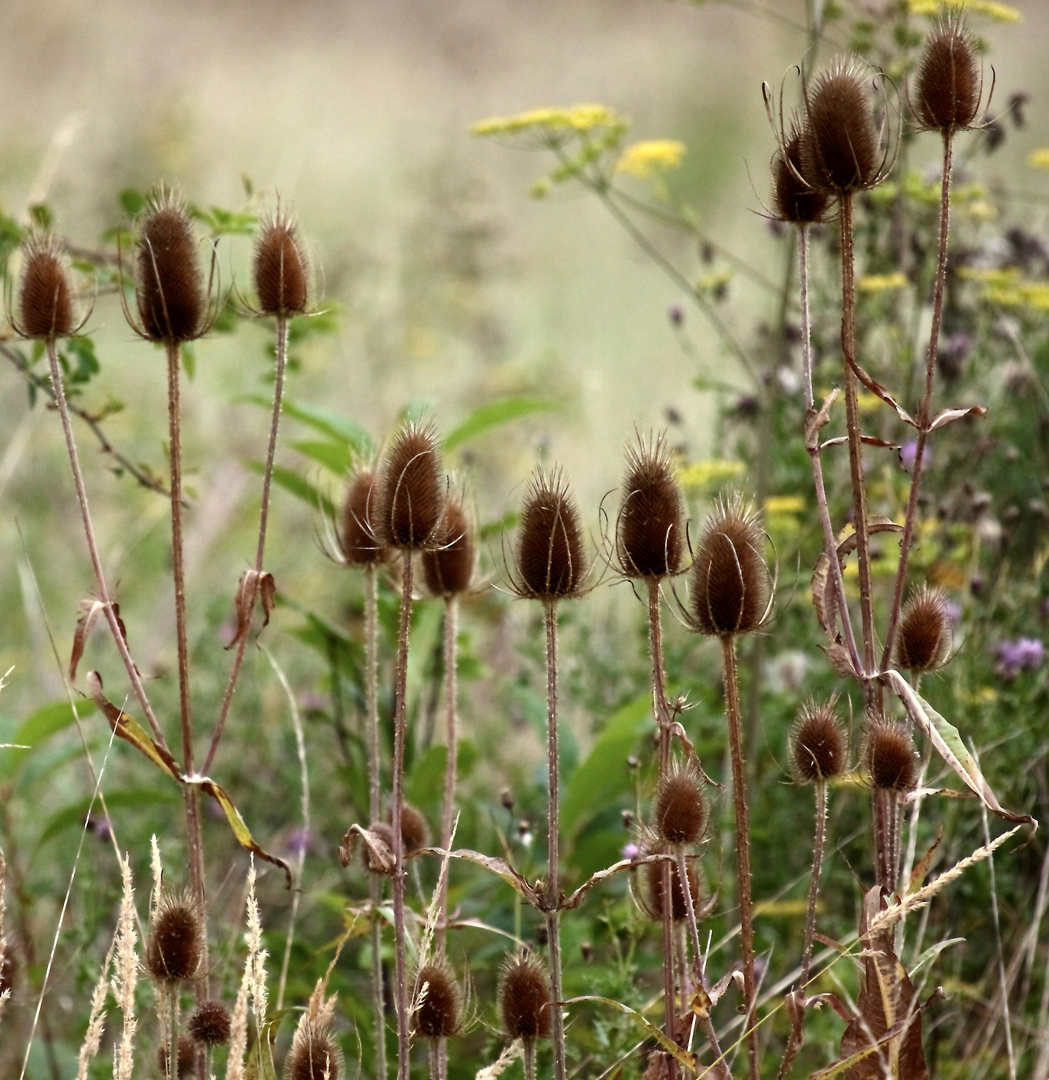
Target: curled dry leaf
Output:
[(90, 611), (253, 585)]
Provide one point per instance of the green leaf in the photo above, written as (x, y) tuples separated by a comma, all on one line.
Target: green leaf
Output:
[(74, 816), (603, 775), (49, 719), (493, 414), (42, 216), (334, 456), (329, 422), (298, 486), (131, 201)]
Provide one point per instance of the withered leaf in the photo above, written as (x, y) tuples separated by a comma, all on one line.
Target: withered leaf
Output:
[(90, 611), (253, 585)]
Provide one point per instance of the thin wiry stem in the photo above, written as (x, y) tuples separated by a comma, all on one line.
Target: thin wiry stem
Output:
[(451, 630), (814, 882)]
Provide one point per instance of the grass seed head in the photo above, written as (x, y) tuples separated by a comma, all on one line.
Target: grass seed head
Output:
[(525, 999), (550, 564), (45, 295), (925, 635), (281, 270), (449, 567), (409, 503), (819, 745), (210, 1024), (314, 1053), (888, 753), (650, 530), (796, 200), (357, 540), (175, 946), (949, 83), (439, 1016), (681, 808)]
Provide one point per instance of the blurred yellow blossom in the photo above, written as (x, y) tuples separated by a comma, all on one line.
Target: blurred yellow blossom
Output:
[(870, 283), (993, 9), (574, 118), (710, 472), (1039, 159), (784, 504), (642, 159)]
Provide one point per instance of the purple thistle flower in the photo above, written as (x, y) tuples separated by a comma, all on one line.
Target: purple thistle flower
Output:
[(1023, 654)]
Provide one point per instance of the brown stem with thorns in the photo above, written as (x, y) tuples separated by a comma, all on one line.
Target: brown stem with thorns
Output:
[(451, 685)]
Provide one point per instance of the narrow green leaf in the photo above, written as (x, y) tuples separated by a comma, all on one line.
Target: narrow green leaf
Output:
[(331, 423), (493, 414), (337, 457), (73, 816)]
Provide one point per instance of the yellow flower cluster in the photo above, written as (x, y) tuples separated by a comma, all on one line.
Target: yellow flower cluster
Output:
[(1009, 288), (993, 9), (642, 159), (875, 283), (1039, 159), (784, 504), (710, 473), (574, 118)]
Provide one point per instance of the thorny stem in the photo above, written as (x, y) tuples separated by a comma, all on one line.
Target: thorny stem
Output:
[(739, 797), (553, 889), (818, 845), (253, 582), (451, 630), (924, 416), (886, 807)]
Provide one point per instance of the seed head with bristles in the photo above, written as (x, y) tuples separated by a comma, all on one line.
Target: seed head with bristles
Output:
[(925, 635), (819, 744), (314, 1053), (949, 85), (680, 811), (439, 1001), (281, 270), (409, 502), (46, 297), (731, 584), (357, 542), (525, 998), (175, 946), (186, 1059), (650, 529), (415, 830), (888, 754), (550, 563), (210, 1024), (449, 567), (652, 899), (796, 201)]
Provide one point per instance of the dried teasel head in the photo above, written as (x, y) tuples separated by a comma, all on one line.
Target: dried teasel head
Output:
[(925, 635), (438, 1015), (415, 830), (357, 542), (796, 201), (819, 744), (448, 567), (314, 1053), (650, 529), (550, 562), (889, 756), (187, 1056), (731, 584), (948, 86), (175, 945), (525, 998), (280, 268), (210, 1024), (653, 897), (841, 148), (680, 811), (409, 502), (46, 297)]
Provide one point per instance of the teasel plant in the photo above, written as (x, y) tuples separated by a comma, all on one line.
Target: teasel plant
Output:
[(550, 566), (528, 1004)]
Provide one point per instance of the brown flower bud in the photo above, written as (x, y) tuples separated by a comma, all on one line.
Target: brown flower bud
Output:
[(653, 900), (210, 1024), (415, 831), (525, 999), (550, 564), (680, 810), (888, 753), (819, 745), (281, 270), (45, 295), (449, 567), (925, 635), (186, 1057), (650, 530), (797, 201), (314, 1054), (357, 540), (439, 1014), (409, 502), (175, 946), (949, 85)]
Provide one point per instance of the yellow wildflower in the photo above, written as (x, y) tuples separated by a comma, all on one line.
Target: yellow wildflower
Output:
[(871, 283), (784, 504), (574, 118), (710, 472), (642, 159), (1039, 159), (993, 9)]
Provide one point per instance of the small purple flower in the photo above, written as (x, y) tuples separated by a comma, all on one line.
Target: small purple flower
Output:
[(630, 851), (300, 841), (1023, 654), (909, 454)]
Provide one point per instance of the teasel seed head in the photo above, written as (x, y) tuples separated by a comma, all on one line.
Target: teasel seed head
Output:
[(797, 202), (281, 270), (650, 530), (925, 635), (680, 810), (415, 830), (525, 998), (731, 584), (949, 84), (550, 563), (172, 301), (46, 305), (439, 1015), (187, 1056), (449, 567), (210, 1024), (840, 151), (409, 502), (889, 755), (819, 744), (175, 945), (357, 541), (314, 1053), (653, 899)]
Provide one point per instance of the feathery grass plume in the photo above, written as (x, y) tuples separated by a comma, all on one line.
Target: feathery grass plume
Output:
[(46, 297), (175, 946), (841, 151), (680, 811), (550, 563), (210, 1024), (314, 1053), (415, 830), (731, 584), (172, 300), (125, 975), (650, 529), (654, 897), (186, 1060), (889, 756), (96, 1020), (819, 744), (409, 502), (448, 568), (925, 635), (796, 201), (281, 270), (439, 1001), (949, 83), (357, 541), (525, 1000)]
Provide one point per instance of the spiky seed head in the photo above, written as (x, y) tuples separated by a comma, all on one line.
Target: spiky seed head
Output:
[(186, 1057), (439, 1016), (314, 1053), (415, 830), (409, 502), (925, 634), (357, 540), (840, 151), (681, 807), (175, 946), (797, 201), (172, 304), (819, 745), (650, 530), (449, 567), (281, 270), (210, 1024), (731, 585), (949, 85), (550, 563), (888, 753), (653, 900), (525, 998), (45, 296)]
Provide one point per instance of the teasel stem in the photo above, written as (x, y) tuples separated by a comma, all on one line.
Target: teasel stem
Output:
[(399, 724), (553, 889), (170, 992), (451, 689), (819, 843), (739, 797), (253, 584), (924, 416), (669, 974), (885, 805), (529, 1059)]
